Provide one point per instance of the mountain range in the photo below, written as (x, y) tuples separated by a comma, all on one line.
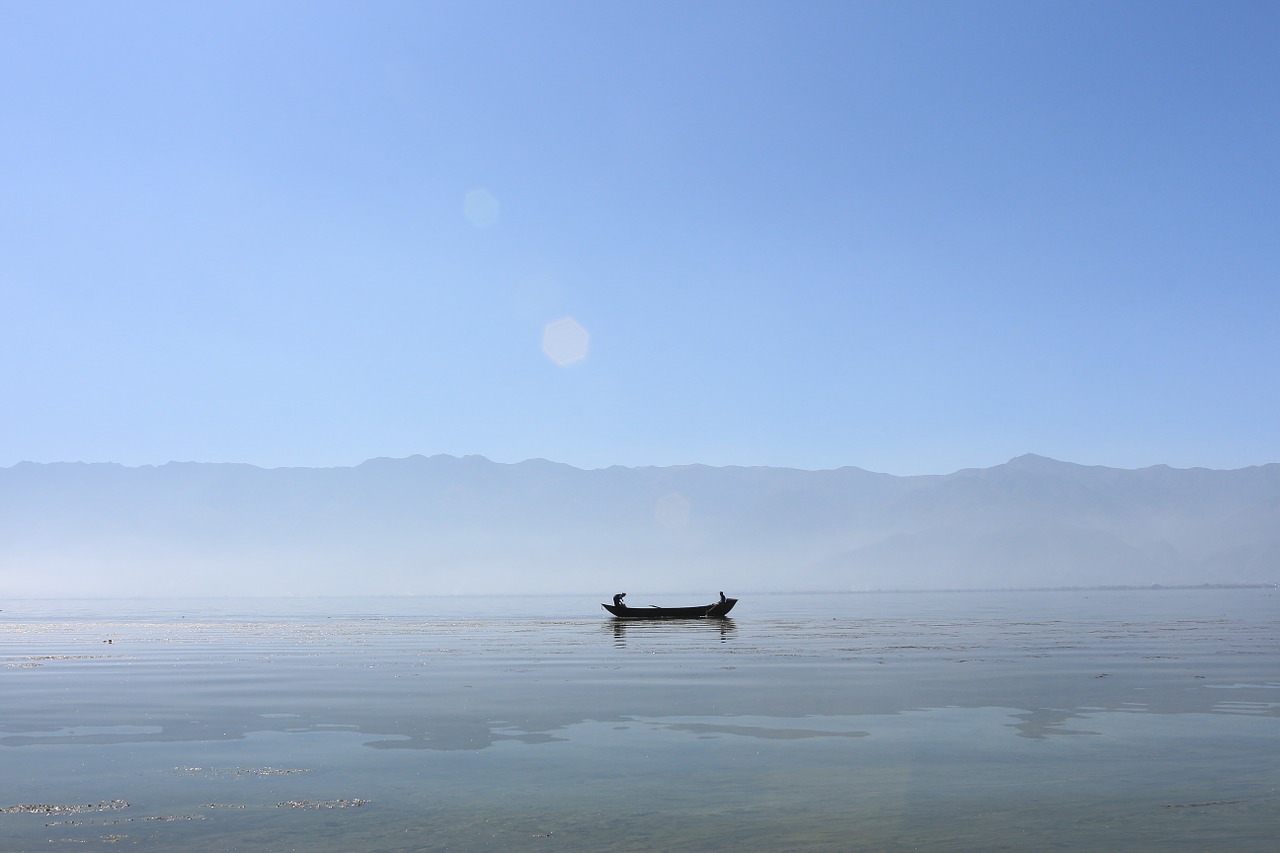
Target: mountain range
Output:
[(446, 525)]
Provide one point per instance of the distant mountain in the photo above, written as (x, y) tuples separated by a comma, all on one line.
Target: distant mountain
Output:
[(444, 525)]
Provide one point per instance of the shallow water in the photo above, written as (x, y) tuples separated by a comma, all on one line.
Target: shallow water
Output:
[(1027, 721)]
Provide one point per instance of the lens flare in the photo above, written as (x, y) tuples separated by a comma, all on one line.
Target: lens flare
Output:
[(481, 208), (565, 342), (672, 510)]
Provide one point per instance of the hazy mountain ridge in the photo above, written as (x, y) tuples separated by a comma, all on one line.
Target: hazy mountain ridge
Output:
[(444, 524)]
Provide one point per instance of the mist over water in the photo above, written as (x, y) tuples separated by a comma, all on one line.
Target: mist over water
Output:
[(442, 525), (1072, 720)]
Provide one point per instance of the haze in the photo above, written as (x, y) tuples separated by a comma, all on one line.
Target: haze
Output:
[(444, 525)]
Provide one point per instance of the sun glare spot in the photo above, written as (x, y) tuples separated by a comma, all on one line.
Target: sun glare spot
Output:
[(481, 208), (565, 342), (672, 510)]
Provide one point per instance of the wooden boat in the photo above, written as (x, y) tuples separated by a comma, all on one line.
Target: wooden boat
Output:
[(716, 610)]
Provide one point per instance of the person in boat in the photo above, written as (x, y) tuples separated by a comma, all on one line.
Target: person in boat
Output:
[(722, 598), (617, 599)]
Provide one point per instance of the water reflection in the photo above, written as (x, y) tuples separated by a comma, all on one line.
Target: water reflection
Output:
[(642, 629), (901, 721)]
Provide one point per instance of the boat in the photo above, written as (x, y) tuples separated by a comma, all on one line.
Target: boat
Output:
[(715, 610)]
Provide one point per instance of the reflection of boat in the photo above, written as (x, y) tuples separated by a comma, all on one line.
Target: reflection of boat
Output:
[(716, 610), (664, 630)]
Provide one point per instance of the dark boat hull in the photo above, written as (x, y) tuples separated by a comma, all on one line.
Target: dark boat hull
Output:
[(717, 610)]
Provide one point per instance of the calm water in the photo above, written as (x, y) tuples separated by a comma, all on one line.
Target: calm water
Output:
[(981, 721)]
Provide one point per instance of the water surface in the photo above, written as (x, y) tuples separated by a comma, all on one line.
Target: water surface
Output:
[(971, 721)]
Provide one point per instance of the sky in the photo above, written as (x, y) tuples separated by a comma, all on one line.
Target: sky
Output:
[(911, 237)]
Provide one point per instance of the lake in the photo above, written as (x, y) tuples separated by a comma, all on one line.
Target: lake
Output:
[(1081, 720)]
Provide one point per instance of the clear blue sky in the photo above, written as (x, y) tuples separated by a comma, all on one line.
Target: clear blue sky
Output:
[(910, 237)]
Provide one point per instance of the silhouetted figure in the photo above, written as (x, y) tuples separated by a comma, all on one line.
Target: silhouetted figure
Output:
[(722, 598), (617, 599)]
